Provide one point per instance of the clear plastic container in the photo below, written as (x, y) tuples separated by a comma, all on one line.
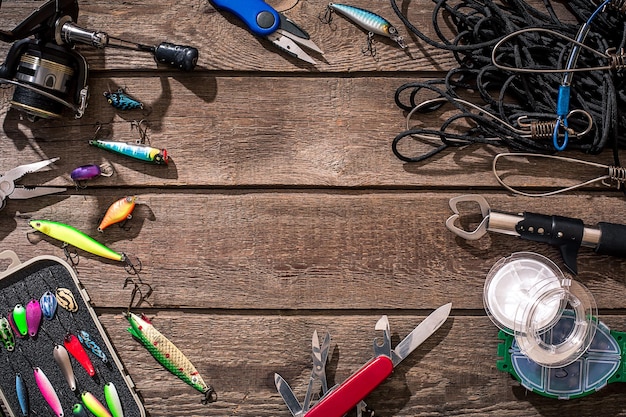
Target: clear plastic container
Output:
[(526, 295)]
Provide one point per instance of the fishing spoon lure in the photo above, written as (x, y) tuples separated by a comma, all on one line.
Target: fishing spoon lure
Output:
[(122, 101), (33, 317), (48, 303), (168, 355), (62, 358), (119, 211), (48, 392), (94, 405), (6, 335), (370, 21), (71, 236)]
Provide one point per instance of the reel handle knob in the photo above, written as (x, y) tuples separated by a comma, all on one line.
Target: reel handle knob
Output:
[(179, 56)]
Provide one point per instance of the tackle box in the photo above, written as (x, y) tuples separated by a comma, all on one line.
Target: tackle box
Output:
[(19, 284)]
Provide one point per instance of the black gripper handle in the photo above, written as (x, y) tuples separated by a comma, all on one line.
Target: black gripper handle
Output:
[(612, 239), (179, 56)]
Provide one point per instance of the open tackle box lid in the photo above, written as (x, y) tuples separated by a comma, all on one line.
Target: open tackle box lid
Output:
[(19, 284)]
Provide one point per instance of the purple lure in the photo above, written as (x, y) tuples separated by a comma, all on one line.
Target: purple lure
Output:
[(33, 317), (48, 304), (86, 172)]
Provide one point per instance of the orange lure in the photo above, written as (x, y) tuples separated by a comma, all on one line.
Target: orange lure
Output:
[(120, 210)]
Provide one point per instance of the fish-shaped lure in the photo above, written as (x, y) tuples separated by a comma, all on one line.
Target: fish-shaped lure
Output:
[(48, 392), (75, 237), (136, 151), (369, 21), (119, 211), (168, 354), (121, 100)]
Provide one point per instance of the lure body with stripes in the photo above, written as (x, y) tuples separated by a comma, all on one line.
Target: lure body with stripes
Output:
[(48, 303), (76, 238), (140, 152), (121, 100), (167, 354), (119, 211), (369, 21)]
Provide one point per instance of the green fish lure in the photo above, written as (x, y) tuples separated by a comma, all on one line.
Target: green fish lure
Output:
[(168, 355)]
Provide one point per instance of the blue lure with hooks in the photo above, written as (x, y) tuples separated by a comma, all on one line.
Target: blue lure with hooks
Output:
[(122, 101), (368, 20)]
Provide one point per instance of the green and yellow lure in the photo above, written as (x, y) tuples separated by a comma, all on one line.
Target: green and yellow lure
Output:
[(71, 236), (168, 355)]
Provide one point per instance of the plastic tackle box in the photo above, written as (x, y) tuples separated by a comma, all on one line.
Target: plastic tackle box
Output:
[(19, 284)]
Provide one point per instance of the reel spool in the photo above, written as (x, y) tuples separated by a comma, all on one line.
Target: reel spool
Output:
[(48, 78)]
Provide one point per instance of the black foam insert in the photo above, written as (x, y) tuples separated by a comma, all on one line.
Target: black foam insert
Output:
[(32, 281)]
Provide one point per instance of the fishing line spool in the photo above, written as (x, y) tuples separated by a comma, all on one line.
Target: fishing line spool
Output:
[(527, 295)]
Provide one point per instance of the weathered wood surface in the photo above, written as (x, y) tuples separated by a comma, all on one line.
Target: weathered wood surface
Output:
[(284, 211)]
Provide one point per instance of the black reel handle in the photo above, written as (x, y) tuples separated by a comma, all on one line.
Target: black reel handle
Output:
[(612, 240), (180, 56)]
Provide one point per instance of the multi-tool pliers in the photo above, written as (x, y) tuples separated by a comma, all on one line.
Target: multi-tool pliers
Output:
[(340, 399), (8, 188), (567, 233), (263, 20)]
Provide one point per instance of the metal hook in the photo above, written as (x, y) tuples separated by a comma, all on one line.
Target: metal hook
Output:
[(143, 132), (370, 49), (326, 16), (136, 290), (71, 256), (133, 268), (482, 227), (614, 174)]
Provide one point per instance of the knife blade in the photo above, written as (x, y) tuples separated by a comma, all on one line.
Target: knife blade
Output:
[(418, 335), (288, 396)]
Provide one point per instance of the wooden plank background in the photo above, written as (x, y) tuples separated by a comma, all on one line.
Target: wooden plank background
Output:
[(284, 211)]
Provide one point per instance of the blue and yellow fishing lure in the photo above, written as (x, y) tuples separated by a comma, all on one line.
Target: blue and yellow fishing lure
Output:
[(140, 152)]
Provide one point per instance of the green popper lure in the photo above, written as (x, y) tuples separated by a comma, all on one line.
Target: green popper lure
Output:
[(168, 355), (136, 151), (71, 236)]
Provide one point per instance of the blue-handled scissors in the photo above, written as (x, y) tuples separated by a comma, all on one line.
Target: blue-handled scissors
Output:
[(263, 20)]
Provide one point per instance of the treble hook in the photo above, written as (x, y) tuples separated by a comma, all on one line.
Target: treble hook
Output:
[(133, 268), (370, 49), (137, 290), (143, 132), (71, 256), (326, 16)]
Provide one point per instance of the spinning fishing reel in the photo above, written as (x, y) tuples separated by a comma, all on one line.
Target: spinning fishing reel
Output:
[(49, 74)]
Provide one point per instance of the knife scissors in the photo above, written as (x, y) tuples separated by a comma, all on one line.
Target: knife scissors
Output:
[(264, 21), (340, 399)]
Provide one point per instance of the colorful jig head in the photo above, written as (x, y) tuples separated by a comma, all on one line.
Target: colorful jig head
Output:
[(119, 211), (89, 172), (369, 21), (71, 236), (122, 101), (136, 151), (168, 355)]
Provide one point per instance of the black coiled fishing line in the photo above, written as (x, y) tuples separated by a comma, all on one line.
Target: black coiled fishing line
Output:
[(513, 108)]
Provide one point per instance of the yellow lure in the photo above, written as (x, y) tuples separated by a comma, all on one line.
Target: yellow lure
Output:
[(76, 238)]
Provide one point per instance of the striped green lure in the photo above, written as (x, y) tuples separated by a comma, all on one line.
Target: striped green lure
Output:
[(168, 355), (136, 151)]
